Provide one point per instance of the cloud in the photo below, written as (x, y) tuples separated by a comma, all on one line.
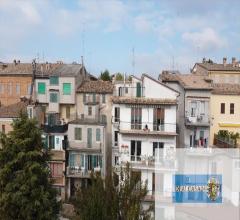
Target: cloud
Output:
[(206, 40)]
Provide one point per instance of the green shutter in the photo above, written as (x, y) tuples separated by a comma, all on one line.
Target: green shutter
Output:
[(98, 134), (89, 137), (78, 133), (138, 89), (54, 97), (53, 80), (41, 88), (95, 161), (66, 88)]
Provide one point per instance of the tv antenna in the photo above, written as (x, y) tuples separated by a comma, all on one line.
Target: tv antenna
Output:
[(133, 60)]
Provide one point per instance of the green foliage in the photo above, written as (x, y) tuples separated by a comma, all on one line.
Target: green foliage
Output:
[(105, 76), (119, 77), (25, 190), (115, 197)]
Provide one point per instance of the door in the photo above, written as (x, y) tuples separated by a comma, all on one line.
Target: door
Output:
[(139, 90)]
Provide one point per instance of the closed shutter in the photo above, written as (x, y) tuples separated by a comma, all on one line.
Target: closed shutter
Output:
[(54, 80), (98, 134), (41, 88), (54, 97), (66, 88), (89, 137), (138, 89)]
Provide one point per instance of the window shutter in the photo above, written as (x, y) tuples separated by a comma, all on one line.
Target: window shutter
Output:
[(41, 88), (98, 134), (66, 88), (138, 89)]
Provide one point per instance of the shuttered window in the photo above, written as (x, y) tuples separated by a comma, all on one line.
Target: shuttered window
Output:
[(98, 134), (78, 133), (54, 80), (54, 97), (66, 88), (41, 88), (72, 159), (139, 92)]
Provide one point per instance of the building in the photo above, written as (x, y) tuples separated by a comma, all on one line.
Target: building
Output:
[(55, 91), (219, 72), (144, 127), (225, 102), (193, 114), (89, 135)]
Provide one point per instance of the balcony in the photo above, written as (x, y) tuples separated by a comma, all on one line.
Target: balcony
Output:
[(57, 155), (81, 172), (85, 147), (58, 128), (199, 120)]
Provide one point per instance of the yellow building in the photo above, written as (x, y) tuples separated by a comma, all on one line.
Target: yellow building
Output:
[(225, 105)]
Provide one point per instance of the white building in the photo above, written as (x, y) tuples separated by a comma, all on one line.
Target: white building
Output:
[(144, 127)]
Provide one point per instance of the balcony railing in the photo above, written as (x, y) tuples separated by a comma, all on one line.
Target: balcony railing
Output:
[(81, 172), (202, 120), (95, 146), (58, 128)]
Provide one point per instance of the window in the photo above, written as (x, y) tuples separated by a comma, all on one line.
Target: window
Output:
[(90, 110), (158, 151), (117, 114), (67, 112), (193, 109), (103, 98), (41, 88), (115, 138), (29, 89), (54, 80), (139, 90), (10, 88), (72, 159), (120, 91), (84, 97), (135, 150), (126, 90), (158, 119), (222, 108), (103, 119), (3, 129), (51, 142), (1, 88), (78, 133), (30, 112), (57, 140), (66, 88), (54, 97), (56, 169), (94, 98), (98, 134), (116, 160), (231, 108), (18, 88), (136, 118)]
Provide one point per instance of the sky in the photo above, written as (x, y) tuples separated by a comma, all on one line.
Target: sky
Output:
[(132, 37)]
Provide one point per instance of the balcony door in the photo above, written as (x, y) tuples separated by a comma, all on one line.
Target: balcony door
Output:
[(136, 150), (158, 119), (158, 151), (136, 118)]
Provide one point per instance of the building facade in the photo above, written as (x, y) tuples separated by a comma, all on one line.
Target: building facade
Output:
[(144, 127)]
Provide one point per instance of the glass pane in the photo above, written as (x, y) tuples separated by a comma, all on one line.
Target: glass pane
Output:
[(66, 88)]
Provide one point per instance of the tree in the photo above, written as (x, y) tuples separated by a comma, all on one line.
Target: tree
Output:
[(119, 77), (25, 190), (105, 76), (115, 197)]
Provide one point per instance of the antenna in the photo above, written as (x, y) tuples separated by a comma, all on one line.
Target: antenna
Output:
[(173, 64), (83, 41), (133, 60)]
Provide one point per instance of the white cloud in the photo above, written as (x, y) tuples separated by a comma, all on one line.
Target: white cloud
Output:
[(206, 39)]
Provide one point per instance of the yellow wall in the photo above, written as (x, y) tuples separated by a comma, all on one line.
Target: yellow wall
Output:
[(227, 121)]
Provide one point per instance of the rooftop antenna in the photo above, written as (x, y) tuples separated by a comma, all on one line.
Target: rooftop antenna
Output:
[(133, 60), (33, 78), (43, 57), (83, 41), (37, 57), (173, 63)]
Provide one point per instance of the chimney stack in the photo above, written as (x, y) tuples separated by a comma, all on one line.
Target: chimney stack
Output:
[(224, 61), (204, 60), (15, 62), (234, 61)]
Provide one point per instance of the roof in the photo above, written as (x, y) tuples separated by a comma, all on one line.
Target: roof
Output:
[(98, 86), (68, 70), (12, 111), (26, 68), (226, 89), (188, 81), (143, 101), (219, 66)]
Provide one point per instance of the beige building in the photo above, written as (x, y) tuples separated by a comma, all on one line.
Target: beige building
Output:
[(225, 105), (219, 72)]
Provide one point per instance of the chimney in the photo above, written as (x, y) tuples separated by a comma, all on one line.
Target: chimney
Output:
[(18, 61), (224, 61), (204, 60), (15, 62), (234, 61)]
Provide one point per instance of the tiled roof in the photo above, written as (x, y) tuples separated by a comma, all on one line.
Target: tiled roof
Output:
[(219, 66), (143, 101), (188, 81), (226, 89), (12, 111), (68, 70), (98, 86), (26, 68)]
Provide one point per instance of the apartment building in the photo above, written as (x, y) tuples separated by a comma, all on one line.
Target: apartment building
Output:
[(219, 72), (56, 93), (144, 128), (225, 102), (193, 114), (89, 135)]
